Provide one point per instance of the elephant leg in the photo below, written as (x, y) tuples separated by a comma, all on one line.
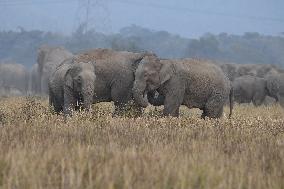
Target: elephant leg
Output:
[(121, 96), (258, 99), (173, 101), (277, 98), (214, 107), (136, 109), (69, 102), (51, 98), (216, 113), (57, 105), (118, 109), (203, 115)]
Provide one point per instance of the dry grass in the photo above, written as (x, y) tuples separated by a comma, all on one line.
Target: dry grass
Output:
[(94, 150)]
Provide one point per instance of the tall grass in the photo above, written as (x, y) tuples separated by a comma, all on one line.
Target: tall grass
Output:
[(93, 150)]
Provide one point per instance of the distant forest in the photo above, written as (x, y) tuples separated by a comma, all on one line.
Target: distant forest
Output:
[(21, 46)]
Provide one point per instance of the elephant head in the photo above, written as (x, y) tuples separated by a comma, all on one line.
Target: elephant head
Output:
[(79, 83), (41, 58), (149, 76), (230, 70), (275, 87)]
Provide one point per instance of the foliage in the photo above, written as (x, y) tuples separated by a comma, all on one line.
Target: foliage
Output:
[(21, 46), (94, 150)]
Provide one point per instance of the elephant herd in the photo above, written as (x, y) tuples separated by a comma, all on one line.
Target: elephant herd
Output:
[(255, 82), (13, 79), (16, 80), (77, 81), (104, 75)]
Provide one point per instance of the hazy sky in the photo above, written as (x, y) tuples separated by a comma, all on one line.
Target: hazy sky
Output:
[(190, 18)]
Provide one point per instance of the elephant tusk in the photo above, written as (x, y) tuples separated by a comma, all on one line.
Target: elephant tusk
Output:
[(145, 94)]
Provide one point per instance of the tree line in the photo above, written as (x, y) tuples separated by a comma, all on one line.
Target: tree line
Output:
[(21, 46)]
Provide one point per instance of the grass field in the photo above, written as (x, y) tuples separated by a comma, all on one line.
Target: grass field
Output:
[(94, 150)]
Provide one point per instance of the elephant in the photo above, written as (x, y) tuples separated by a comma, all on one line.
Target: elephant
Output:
[(71, 86), (114, 72), (250, 89), (13, 79), (34, 78), (275, 86), (234, 71), (189, 82), (48, 59), (268, 101)]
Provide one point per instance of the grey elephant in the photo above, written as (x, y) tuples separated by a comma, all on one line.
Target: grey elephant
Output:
[(275, 86), (48, 59), (114, 71), (71, 86), (268, 101), (195, 84), (34, 78), (13, 79), (234, 71), (250, 89)]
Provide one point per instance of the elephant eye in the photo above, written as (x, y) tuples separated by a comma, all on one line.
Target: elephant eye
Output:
[(146, 74)]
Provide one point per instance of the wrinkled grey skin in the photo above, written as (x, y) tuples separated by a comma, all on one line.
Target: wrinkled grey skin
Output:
[(13, 79), (48, 59), (275, 86), (71, 86), (233, 71), (249, 89), (188, 82), (114, 71)]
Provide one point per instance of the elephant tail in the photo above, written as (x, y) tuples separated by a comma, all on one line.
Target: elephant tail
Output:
[(231, 99)]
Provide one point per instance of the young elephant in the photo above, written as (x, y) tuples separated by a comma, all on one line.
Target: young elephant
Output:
[(115, 76), (71, 86), (250, 89), (188, 82)]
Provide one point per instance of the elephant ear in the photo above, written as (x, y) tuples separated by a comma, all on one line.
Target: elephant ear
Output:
[(71, 73), (137, 62), (68, 79), (166, 73), (138, 58)]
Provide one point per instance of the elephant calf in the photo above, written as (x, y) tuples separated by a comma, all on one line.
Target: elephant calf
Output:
[(195, 84), (71, 86), (250, 89)]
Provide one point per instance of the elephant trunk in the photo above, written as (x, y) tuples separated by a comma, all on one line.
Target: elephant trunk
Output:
[(139, 90), (69, 101), (88, 95), (87, 101)]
